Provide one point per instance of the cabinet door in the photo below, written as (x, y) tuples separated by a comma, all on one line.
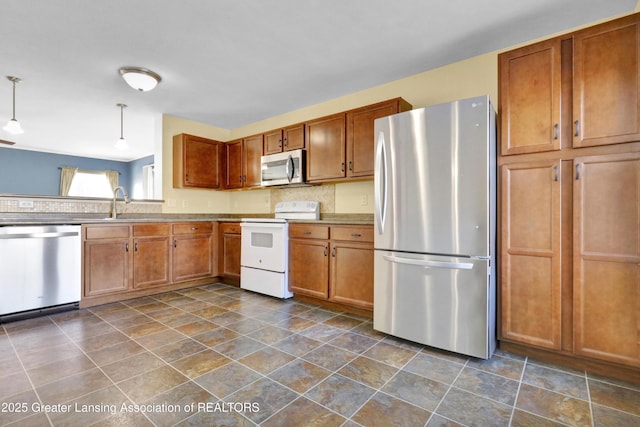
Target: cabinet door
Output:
[(309, 267), (231, 247), (273, 142), (293, 137), (196, 162), (360, 139), (233, 164), (530, 91), (326, 148), (151, 261), (606, 94), (192, 257), (106, 266), (352, 274), (607, 258), (252, 151), (530, 254)]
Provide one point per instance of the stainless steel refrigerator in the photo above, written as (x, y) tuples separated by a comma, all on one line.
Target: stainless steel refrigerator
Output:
[(435, 226)]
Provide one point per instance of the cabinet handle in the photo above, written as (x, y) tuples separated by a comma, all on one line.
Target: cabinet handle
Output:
[(577, 125), (555, 173), (350, 165), (342, 167), (186, 177), (325, 251), (286, 142), (135, 246), (126, 247), (555, 131), (333, 252), (194, 228), (578, 170), (307, 233), (356, 235), (175, 243)]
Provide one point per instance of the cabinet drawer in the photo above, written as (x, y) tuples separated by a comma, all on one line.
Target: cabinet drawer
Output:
[(354, 234), (141, 230), (192, 228), (231, 228), (309, 231), (120, 231)]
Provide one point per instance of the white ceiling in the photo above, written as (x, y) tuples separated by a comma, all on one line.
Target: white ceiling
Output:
[(228, 63)]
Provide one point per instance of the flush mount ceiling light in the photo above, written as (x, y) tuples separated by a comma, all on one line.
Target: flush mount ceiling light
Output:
[(121, 144), (140, 78), (13, 126)]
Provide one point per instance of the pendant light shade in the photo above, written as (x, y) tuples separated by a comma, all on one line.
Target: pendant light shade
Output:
[(121, 144), (13, 125), (140, 79)]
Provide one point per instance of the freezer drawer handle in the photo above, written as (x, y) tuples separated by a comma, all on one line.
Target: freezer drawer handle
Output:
[(430, 264)]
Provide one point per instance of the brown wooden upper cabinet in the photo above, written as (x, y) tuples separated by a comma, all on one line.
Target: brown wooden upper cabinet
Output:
[(326, 148), (341, 145), (606, 94), (285, 139), (599, 65), (530, 89), (196, 162), (360, 137), (242, 162)]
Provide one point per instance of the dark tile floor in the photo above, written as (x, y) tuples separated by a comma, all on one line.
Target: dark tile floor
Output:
[(216, 355)]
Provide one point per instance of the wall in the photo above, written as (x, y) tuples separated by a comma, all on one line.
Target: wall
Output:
[(135, 176), (37, 173)]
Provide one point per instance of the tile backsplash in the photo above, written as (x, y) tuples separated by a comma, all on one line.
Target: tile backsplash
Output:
[(22, 204)]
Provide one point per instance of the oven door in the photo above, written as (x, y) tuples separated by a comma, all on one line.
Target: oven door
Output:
[(264, 246)]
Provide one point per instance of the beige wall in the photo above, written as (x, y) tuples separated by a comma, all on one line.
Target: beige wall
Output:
[(471, 77)]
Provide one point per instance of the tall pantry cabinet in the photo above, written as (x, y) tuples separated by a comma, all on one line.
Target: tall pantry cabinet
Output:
[(570, 198)]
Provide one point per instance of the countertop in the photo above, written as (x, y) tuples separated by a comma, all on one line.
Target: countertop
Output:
[(71, 218)]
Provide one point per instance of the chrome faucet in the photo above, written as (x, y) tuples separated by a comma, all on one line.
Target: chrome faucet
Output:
[(114, 212)]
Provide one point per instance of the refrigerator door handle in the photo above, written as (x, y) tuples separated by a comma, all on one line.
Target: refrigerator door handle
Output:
[(381, 174), (430, 264)]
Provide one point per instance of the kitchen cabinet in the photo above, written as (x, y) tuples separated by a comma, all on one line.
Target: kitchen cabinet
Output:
[(242, 162), (230, 245), (530, 261), (192, 250), (151, 254), (106, 259), (360, 141), (530, 90), (285, 139), (607, 253), (123, 260), (325, 140), (332, 263), (569, 207), (196, 162), (606, 90)]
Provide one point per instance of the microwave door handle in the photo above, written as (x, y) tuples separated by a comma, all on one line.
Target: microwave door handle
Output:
[(290, 168)]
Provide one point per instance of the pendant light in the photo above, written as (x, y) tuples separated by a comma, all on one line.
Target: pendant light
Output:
[(13, 126), (140, 79), (121, 144)]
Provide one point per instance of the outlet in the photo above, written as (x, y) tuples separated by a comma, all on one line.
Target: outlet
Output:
[(25, 204), (185, 203), (364, 200)]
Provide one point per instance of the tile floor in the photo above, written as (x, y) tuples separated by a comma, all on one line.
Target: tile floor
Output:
[(216, 355)]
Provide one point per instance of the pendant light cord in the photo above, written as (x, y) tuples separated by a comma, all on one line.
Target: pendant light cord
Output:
[(14, 100)]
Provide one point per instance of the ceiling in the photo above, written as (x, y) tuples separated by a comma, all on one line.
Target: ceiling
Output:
[(230, 63)]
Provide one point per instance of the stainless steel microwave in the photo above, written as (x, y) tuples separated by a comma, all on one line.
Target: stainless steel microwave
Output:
[(283, 168)]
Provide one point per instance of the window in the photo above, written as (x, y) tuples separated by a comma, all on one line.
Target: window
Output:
[(90, 184)]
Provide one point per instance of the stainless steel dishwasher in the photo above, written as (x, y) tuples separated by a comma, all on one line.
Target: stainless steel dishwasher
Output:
[(40, 270)]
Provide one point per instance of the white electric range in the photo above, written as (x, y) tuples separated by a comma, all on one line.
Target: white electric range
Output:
[(264, 257)]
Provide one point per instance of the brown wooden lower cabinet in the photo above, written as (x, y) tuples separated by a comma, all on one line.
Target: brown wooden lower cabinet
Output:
[(129, 260), (229, 250), (332, 263)]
